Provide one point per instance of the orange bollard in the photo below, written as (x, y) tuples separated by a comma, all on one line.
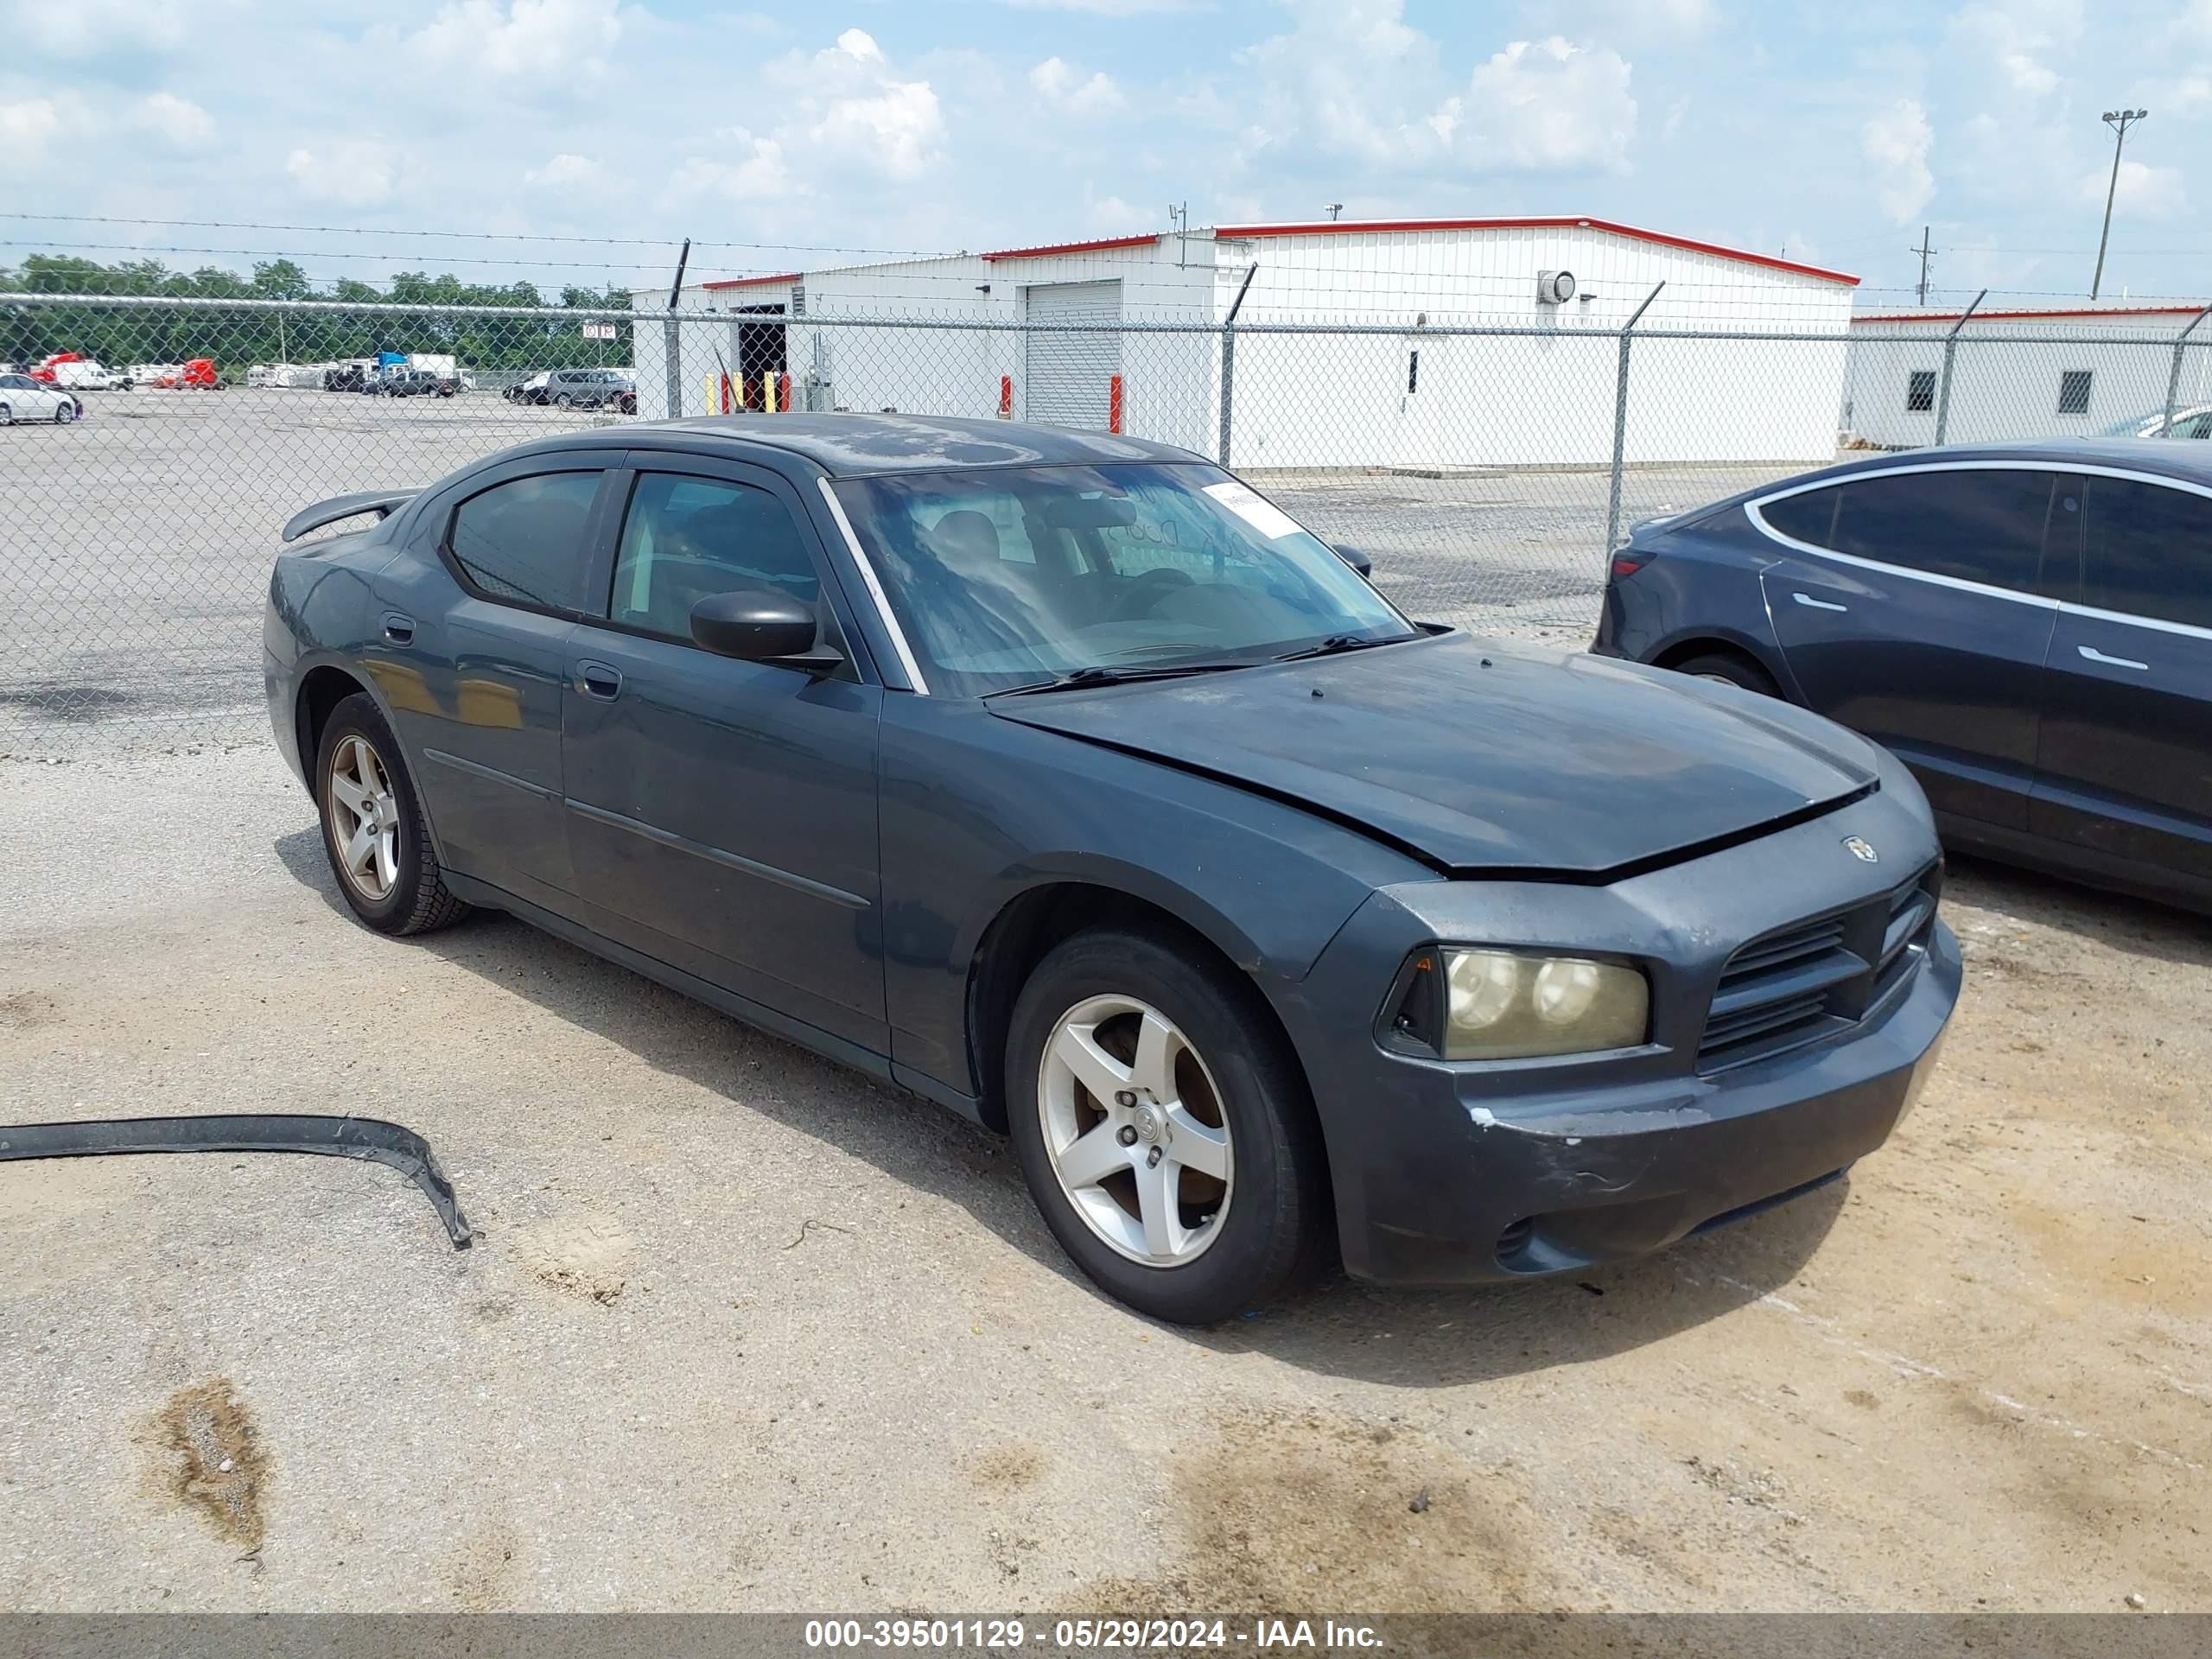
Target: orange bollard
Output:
[(1006, 397), (1114, 404)]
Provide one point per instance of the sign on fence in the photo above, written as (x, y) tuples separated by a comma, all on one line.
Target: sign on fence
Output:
[(598, 331)]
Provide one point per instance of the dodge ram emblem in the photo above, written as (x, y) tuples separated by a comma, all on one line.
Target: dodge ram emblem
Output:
[(1860, 849)]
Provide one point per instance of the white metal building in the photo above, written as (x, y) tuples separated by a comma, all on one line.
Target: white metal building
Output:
[(1407, 393), (2071, 372)]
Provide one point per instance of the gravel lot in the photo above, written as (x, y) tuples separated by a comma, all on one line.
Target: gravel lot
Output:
[(135, 545), (743, 1330)]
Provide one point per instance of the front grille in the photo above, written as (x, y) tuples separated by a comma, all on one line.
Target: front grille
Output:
[(1820, 976)]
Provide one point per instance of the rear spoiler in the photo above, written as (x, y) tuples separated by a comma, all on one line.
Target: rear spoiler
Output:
[(382, 503)]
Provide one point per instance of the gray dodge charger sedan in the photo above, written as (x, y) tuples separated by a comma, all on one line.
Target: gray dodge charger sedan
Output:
[(1064, 779)]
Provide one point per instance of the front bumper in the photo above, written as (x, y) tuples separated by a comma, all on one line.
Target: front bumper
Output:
[(1459, 1173)]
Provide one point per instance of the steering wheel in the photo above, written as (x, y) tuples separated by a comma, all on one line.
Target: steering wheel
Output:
[(1144, 590)]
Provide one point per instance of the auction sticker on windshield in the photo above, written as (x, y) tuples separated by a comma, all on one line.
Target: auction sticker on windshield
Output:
[(1263, 515)]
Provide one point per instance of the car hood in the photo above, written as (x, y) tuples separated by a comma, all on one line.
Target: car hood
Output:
[(1485, 757)]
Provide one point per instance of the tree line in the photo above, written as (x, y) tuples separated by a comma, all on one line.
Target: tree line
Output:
[(237, 339)]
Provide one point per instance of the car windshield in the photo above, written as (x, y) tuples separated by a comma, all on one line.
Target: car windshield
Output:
[(1012, 576)]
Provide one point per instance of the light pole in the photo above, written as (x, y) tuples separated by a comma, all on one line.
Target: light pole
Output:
[(2118, 121)]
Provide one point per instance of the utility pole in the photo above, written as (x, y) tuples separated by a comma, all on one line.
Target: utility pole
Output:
[(1926, 253), (2118, 121)]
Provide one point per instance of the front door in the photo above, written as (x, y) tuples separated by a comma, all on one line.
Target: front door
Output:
[(1908, 608), (722, 814), (469, 645), (2125, 764)]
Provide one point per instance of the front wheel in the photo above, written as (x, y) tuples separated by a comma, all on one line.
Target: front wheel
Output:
[(7, 415), (1164, 1128), (65, 414), (373, 830)]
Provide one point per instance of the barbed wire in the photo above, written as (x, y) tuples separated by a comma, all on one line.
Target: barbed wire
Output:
[(489, 236)]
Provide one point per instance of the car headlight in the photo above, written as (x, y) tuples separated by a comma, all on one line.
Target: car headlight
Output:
[(1508, 1004)]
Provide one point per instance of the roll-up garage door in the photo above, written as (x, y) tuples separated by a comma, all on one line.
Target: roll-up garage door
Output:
[(1070, 375)]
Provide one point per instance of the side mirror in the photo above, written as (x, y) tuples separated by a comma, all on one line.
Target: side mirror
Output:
[(1358, 560), (758, 625)]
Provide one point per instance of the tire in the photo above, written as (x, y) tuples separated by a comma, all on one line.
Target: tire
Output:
[(403, 889), (1736, 670), (7, 415), (563, 401), (1270, 1225), (64, 413)]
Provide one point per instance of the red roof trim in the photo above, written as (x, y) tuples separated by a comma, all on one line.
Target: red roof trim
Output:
[(1556, 222), (1144, 241), (2020, 316), (753, 282)]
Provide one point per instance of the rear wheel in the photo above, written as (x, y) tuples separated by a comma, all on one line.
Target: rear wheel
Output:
[(373, 830), (7, 415), (1730, 668), (1164, 1130)]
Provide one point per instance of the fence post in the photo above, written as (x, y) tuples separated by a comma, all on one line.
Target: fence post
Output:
[(1620, 424), (671, 340), (1228, 360), (2173, 375), (1950, 355)]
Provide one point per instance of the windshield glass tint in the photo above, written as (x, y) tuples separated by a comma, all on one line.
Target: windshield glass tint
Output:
[(1007, 577)]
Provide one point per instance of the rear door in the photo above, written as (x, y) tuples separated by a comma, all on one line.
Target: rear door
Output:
[(1908, 607), (469, 645), (722, 814), (2126, 766)]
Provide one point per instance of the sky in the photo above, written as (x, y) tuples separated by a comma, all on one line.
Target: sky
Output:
[(1831, 133)]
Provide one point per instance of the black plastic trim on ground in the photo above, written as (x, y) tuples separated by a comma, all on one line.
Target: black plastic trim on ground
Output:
[(367, 1138)]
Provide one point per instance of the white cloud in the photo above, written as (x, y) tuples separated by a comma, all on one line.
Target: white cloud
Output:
[(1071, 93), (870, 120), (752, 170), (81, 28), (2022, 40), (566, 171), (180, 121), (2142, 191), (25, 130), (557, 41), (353, 173), (1896, 143), (1104, 8), (1641, 19), (1534, 107), (2197, 21), (1545, 106)]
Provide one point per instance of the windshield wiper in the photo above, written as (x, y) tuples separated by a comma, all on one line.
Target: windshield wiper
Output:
[(1081, 678), (1340, 642)]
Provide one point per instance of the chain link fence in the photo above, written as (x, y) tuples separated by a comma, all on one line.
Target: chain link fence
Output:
[(1486, 470)]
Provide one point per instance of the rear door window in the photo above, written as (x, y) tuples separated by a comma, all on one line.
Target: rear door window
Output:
[(1973, 525), (687, 539), (2148, 551), (523, 542)]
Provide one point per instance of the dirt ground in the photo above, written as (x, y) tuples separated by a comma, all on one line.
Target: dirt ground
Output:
[(744, 1331)]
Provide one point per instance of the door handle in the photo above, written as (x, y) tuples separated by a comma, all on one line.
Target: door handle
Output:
[(1818, 604), (2095, 655), (598, 680), (398, 629)]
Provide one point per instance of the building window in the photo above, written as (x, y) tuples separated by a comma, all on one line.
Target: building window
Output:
[(1413, 372), (1920, 391), (2073, 393)]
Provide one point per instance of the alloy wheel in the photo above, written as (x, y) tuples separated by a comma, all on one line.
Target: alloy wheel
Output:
[(364, 817), (1136, 1130)]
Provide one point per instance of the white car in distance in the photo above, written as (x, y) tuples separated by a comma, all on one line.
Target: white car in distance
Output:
[(22, 398)]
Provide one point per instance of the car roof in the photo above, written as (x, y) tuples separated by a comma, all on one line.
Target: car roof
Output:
[(2171, 457), (858, 446)]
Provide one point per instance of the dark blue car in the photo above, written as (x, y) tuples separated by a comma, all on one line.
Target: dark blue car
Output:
[(2028, 626), (1061, 778)]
